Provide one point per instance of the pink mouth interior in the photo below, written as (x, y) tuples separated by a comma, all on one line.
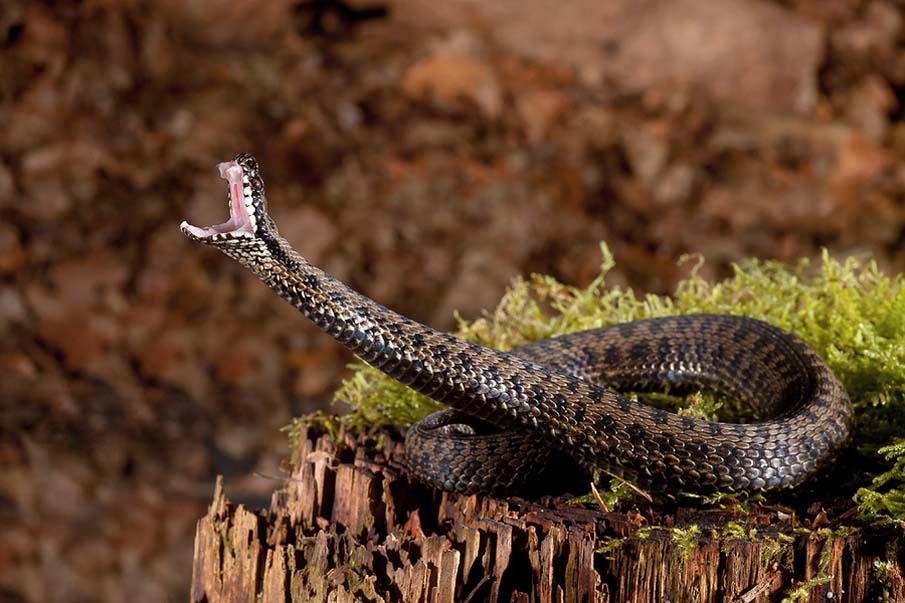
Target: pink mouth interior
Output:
[(239, 220)]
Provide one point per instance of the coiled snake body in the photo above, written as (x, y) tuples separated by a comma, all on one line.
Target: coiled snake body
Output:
[(560, 392)]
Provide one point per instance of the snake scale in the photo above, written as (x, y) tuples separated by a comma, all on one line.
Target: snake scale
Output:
[(562, 392)]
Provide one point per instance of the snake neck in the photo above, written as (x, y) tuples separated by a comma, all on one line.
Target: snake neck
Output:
[(431, 362), (500, 388), (339, 310)]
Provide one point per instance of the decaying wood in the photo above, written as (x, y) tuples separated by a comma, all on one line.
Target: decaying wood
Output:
[(350, 525)]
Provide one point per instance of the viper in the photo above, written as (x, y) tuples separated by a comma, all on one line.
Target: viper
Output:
[(508, 409)]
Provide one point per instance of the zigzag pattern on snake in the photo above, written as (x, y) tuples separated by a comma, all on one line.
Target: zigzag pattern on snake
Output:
[(562, 392)]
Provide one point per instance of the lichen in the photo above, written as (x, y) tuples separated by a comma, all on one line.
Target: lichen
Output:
[(851, 313)]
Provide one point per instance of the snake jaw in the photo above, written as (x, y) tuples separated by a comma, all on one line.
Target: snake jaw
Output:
[(245, 201)]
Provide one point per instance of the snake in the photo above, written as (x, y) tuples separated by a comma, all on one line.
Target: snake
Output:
[(507, 409)]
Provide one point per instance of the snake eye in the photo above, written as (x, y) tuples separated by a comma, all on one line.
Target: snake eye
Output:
[(257, 183)]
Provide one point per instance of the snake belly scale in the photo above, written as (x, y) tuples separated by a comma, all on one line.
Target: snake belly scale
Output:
[(562, 392)]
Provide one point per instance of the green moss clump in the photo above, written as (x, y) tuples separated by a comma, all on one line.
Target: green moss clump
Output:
[(778, 550), (740, 501), (685, 539), (848, 311), (884, 501), (734, 531), (801, 593), (610, 545)]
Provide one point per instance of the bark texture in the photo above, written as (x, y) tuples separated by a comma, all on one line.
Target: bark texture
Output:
[(351, 525)]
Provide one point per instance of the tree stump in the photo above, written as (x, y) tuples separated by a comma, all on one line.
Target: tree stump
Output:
[(351, 525)]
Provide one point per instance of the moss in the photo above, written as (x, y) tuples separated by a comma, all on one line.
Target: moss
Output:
[(884, 573), (734, 531), (848, 311), (685, 539), (618, 491), (800, 594), (330, 424), (609, 545), (778, 550), (740, 501), (645, 532), (884, 501)]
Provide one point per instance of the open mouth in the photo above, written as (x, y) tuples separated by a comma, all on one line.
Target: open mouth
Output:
[(241, 221)]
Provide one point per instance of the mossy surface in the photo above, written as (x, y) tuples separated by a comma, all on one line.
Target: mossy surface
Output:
[(851, 313)]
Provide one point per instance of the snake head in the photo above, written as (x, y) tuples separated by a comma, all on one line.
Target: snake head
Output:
[(247, 206)]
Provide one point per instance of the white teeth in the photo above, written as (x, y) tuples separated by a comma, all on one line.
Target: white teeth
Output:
[(245, 179), (247, 191)]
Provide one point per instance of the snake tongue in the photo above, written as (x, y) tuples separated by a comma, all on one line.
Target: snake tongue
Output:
[(240, 222)]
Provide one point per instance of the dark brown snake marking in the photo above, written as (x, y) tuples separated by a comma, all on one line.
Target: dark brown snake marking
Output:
[(549, 393)]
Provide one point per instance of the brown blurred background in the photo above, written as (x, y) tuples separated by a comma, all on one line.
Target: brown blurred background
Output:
[(423, 152)]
